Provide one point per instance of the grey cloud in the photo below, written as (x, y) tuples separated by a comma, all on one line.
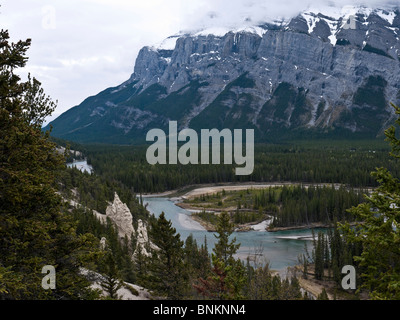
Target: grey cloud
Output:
[(230, 13)]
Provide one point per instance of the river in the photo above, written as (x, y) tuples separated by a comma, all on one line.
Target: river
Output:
[(281, 249), (81, 165)]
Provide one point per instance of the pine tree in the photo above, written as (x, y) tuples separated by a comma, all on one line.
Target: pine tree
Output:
[(323, 295), (295, 289), (168, 274), (227, 277), (225, 249), (141, 266), (319, 257), (127, 268), (33, 230), (379, 232), (111, 277), (260, 287), (214, 286), (197, 260)]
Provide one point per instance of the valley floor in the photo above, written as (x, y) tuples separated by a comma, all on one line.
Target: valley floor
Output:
[(184, 199)]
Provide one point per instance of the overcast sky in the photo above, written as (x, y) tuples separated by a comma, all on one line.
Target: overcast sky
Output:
[(81, 47)]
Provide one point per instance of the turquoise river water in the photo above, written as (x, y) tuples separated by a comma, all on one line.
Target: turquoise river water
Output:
[(281, 249)]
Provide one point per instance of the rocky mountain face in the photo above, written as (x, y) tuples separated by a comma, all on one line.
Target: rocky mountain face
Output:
[(331, 72)]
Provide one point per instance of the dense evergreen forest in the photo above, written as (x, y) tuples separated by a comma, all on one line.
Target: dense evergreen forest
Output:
[(349, 163), (329, 253), (295, 206)]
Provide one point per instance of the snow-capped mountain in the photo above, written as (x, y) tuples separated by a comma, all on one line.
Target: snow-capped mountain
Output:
[(327, 71)]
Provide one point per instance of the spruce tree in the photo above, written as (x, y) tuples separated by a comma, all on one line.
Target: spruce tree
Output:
[(378, 231), (225, 249), (140, 265), (319, 257), (168, 274), (260, 286), (323, 295), (111, 277), (227, 278), (215, 286), (33, 230)]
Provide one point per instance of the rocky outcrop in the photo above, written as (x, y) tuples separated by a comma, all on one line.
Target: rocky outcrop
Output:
[(103, 243), (127, 291), (142, 237), (143, 245), (121, 217)]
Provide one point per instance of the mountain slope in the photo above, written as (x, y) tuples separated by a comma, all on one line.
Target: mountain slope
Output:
[(330, 71)]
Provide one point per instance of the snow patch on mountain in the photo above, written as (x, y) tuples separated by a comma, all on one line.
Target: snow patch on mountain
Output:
[(386, 15), (335, 17)]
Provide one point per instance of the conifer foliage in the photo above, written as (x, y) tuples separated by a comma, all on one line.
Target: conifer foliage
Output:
[(379, 232), (168, 274), (227, 276), (33, 231)]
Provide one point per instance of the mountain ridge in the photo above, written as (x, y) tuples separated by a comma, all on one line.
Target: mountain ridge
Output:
[(315, 74)]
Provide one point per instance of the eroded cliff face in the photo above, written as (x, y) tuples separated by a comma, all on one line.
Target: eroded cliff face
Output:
[(143, 245), (121, 217), (313, 73)]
